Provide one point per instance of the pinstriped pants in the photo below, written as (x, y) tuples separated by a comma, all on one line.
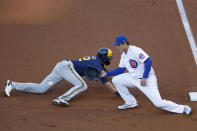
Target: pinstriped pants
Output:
[(63, 70)]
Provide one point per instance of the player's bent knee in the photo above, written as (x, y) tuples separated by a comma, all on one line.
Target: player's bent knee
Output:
[(115, 80), (83, 87)]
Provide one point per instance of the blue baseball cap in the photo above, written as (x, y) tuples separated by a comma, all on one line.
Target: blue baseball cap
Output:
[(120, 39)]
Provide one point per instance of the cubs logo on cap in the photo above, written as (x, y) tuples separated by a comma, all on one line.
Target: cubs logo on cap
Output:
[(133, 63)]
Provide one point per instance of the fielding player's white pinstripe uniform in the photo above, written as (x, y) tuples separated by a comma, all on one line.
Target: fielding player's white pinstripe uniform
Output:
[(133, 59)]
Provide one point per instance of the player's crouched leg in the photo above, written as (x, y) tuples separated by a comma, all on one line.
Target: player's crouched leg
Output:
[(66, 97), (159, 103), (116, 81), (169, 106), (82, 87), (74, 91)]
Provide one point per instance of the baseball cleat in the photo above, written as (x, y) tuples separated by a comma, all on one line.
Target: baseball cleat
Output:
[(127, 106), (56, 101), (63, 102), (59, 101), (8, 87), (187, 110)]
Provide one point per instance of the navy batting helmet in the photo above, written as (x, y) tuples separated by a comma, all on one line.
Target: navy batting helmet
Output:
[(105, 55)]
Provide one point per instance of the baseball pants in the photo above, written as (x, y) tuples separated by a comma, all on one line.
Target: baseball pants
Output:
[(125, 80), (63, 70)]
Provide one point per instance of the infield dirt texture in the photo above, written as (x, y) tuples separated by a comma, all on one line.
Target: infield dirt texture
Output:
[(36, 34)]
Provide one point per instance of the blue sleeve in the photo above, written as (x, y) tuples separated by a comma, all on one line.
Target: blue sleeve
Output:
[(116, 71), (147, 66), (104, 80)]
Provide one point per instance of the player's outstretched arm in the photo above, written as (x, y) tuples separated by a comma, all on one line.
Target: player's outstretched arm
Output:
[(111, 87)]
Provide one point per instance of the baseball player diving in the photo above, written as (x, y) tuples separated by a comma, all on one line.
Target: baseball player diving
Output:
[(71, 71), (141, 75)]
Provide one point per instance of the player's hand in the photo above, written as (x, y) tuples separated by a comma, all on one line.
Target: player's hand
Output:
[(143, 82), (103, 74)]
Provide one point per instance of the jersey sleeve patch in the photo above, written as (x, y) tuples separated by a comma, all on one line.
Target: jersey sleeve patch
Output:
[(141, 56)]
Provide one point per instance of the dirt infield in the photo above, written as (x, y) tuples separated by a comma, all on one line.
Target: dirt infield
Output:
[(35, 35)]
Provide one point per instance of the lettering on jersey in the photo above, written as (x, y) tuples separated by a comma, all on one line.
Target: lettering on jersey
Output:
[(133, 63), (141, 56)]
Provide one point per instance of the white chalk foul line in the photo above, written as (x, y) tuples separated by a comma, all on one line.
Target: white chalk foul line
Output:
[(187, 29)]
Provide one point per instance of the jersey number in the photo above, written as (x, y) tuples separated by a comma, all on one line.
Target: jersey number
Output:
[(87, 58)]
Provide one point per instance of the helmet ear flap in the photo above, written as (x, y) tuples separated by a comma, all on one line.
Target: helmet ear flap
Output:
[(109, 54)]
